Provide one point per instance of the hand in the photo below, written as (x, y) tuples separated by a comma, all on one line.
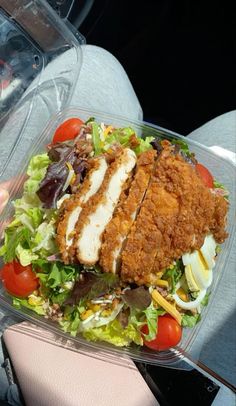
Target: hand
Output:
[(4, 197), (14, 184)]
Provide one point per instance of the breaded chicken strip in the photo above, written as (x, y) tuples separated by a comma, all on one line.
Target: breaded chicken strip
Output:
[(119, 227), (177, 213), (72, 207), (100, 208)]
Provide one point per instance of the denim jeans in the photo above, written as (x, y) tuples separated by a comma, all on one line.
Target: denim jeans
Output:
[(9, 390)]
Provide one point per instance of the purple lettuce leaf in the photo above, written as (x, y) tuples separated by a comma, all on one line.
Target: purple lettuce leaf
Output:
[(139, 298), (51, 188), (91, 286)]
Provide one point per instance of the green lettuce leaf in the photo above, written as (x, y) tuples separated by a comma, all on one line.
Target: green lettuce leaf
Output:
[(60, 274), (32, 231), (44, 239), (96, 138), (25, 255), (115, 334), (93, 285), (18, 303), (137, 318), (152, 316), (42, 264), (36, 172), (57, 279), (183, 147), (13, 237), (60, 297), (218, 185), (112, 332), (120, 136), (205, 300), (174, 274), (70, 323), (190, 320), (144, 145)]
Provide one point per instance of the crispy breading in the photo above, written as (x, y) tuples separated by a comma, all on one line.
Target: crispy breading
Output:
[(118, 228), (99, 210), (218, 221), (139, 224), (71, 208), (177, 213)]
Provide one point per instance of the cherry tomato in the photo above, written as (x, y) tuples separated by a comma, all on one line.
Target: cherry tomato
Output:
[(67, 130), (169, 333), (206, 176), (18, 280)]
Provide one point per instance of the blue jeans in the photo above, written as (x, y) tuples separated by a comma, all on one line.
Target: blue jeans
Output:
[(9, 390)]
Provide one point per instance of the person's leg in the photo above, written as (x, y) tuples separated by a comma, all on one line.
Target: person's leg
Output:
[(218, 333), (103, 85), (9, 390), (221, 132)]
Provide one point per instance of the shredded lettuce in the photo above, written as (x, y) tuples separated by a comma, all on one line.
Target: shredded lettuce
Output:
[(44, 239), (31, 234), (13, 237), (25, 255)]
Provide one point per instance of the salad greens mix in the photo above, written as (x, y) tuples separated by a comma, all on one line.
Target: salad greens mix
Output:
[(85, 300)]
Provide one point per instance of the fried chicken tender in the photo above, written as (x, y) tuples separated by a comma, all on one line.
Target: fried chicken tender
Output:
[(118, 228), (177, 213), (100, 208), (72, 207)]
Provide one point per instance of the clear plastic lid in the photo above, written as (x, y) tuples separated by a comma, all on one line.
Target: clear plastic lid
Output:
[(31, 85)]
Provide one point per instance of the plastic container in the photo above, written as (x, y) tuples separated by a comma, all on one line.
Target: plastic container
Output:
[(222, 169), (32, 38)]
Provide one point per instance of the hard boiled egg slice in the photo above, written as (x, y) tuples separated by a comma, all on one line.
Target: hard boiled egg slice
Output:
[(190, 279), (208, 251), (201, 275), (193, 304)]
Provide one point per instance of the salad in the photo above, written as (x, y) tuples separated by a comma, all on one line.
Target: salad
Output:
[(115, 237)]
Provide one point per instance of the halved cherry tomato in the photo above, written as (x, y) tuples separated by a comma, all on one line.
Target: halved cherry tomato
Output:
[(169, 333), (67, 130), (18, 280), (206, 176)]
